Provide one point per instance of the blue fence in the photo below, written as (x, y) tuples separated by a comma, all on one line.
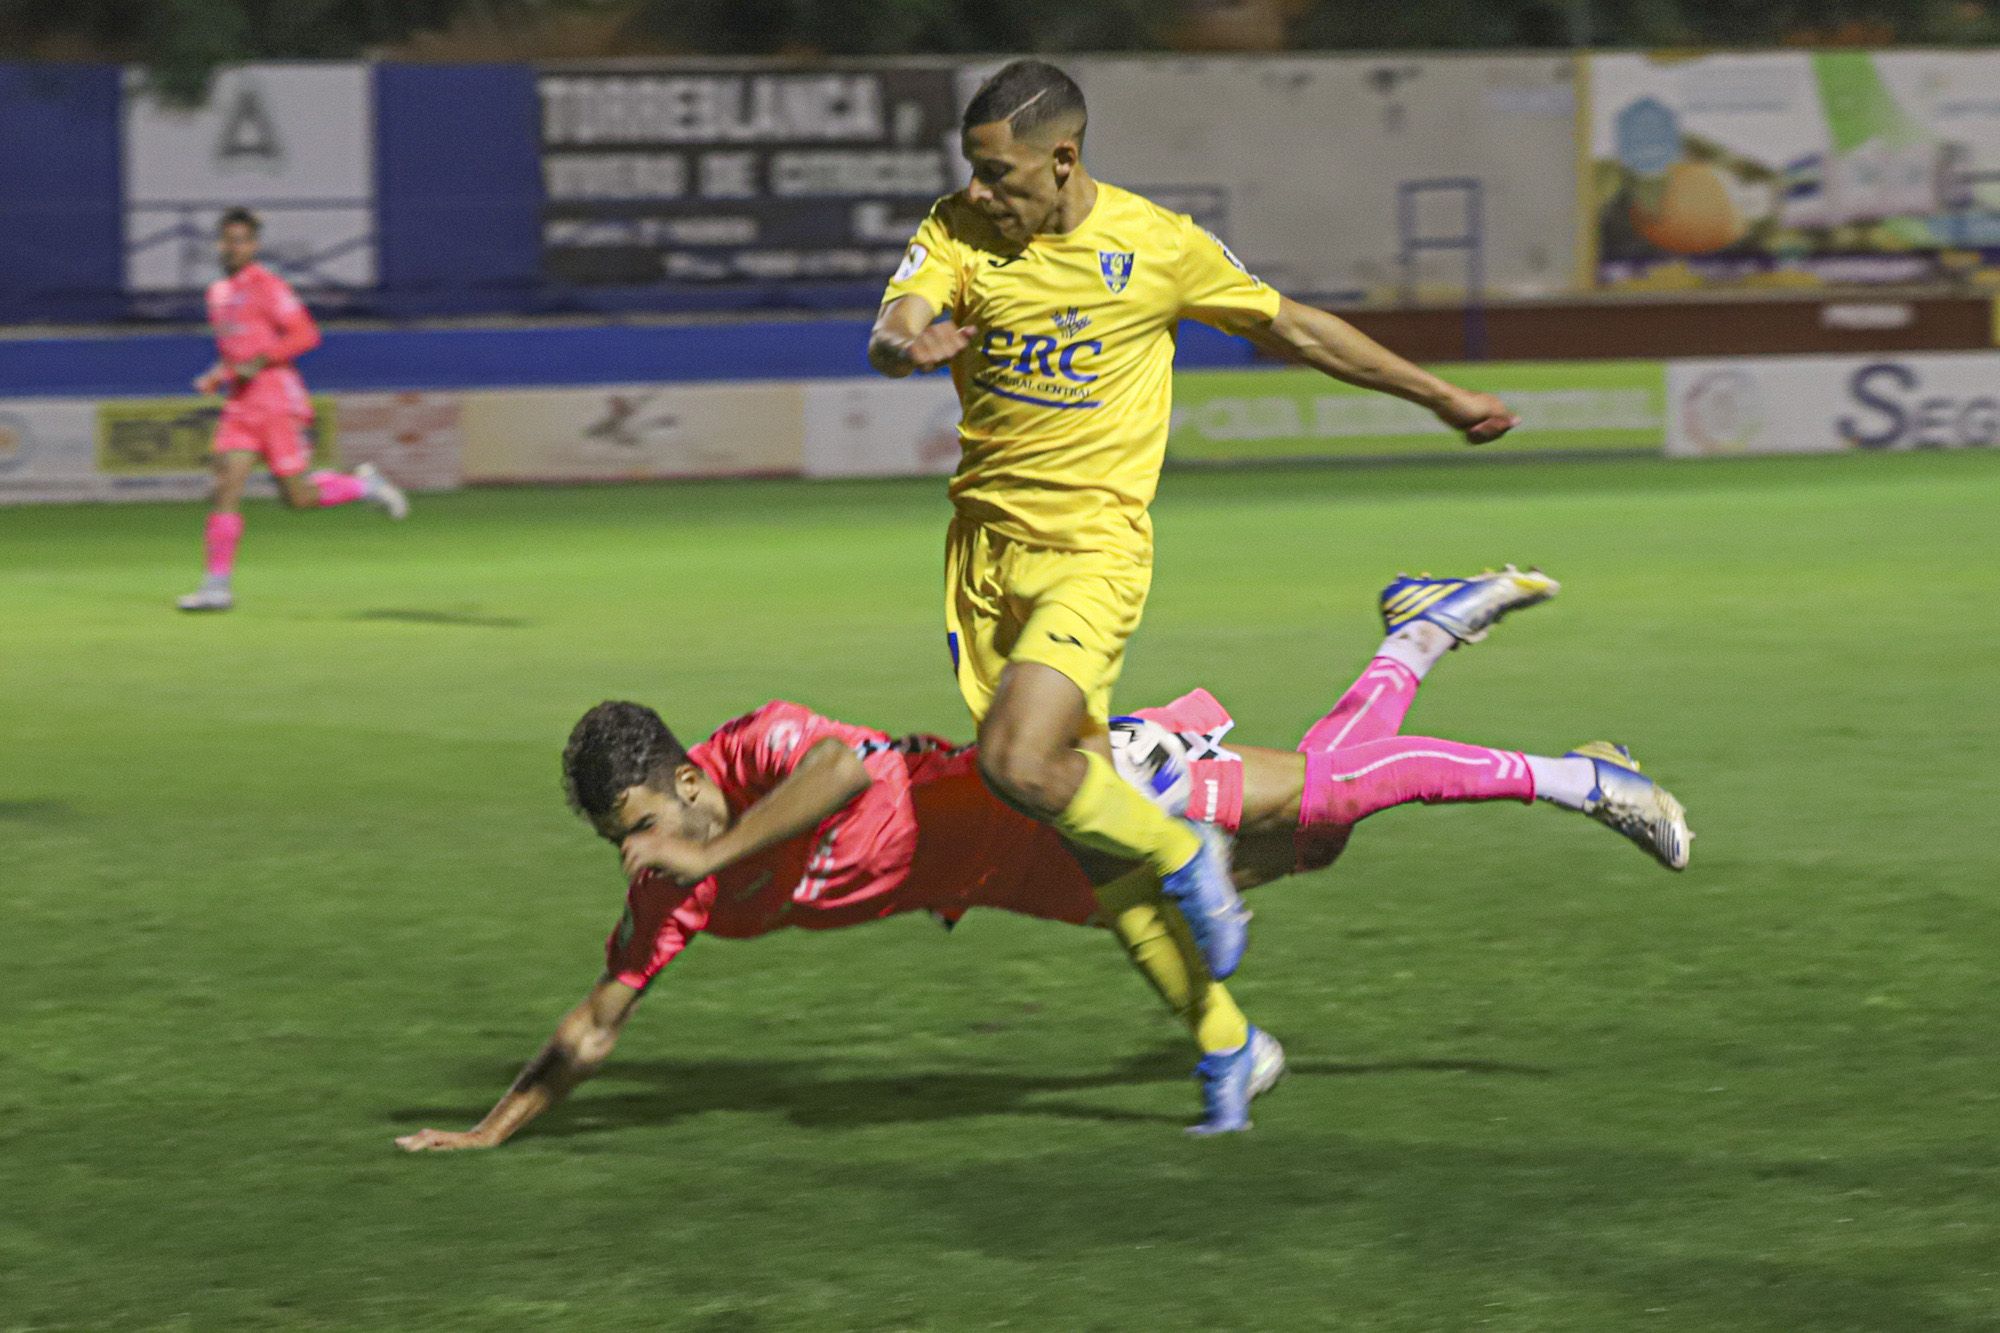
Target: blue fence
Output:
[(457, 211), (61, 227), (147, 364)]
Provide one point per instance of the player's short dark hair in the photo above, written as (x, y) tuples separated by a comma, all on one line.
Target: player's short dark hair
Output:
[(240, 217), (1029, 95), (614, 746)]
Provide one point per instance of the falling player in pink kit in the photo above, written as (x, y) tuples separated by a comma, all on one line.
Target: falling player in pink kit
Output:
[(786, 818), (260, 329)]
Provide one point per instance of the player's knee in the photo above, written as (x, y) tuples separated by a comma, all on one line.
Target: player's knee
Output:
[(1022, 775)]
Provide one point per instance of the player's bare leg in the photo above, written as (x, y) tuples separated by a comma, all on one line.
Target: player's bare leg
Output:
[(1040, 752), (326, 488), (224, 530)]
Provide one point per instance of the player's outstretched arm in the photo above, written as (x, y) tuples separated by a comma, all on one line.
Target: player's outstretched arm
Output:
[(1330, 345), (905, 340), (582, 1042), (827, 777)]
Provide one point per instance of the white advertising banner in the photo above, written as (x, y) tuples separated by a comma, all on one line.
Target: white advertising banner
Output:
[(295, 143), (1824, 404), (633, 432), (1365, 178), (418, 439), (1794, 168), (48, 450), (881, 428)]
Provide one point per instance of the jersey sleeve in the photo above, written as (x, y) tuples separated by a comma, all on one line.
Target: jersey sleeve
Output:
[(297, 334), (931, 266), (660, 918), (759, 750), (1214, 285), (862, 849)]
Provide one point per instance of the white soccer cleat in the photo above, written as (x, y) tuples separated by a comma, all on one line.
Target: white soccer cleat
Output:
[(207, 599), (1267, 1063), (1638, 807), (1465, 608), (383, 491)]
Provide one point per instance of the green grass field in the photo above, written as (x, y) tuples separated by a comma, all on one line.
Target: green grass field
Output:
[(279, 885)]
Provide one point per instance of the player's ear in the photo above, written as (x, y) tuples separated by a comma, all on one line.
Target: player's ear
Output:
[(1066, 154), (687, 783)]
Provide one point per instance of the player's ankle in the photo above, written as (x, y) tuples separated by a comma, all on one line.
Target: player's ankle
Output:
[(1418, 646)]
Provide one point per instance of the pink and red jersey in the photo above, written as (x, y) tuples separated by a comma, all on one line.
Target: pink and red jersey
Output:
[(255, 314), (927, 835)]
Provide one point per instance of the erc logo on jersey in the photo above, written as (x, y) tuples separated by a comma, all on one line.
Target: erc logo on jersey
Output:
[(1039, 369), (1116, 265), (913, 260)]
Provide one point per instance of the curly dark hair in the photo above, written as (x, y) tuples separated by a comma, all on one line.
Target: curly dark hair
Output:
[(1029, 95), (614, 746), (240, 217)]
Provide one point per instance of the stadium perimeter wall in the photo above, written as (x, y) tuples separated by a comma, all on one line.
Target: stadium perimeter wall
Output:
[(401, 190), (108, 418)]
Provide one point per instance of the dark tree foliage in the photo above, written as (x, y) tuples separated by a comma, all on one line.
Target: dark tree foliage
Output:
[(182, 41)]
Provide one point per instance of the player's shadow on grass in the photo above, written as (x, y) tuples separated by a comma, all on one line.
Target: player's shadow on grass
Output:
[(806, 1094), (42, 810), (1342, 1069), (436, 616)]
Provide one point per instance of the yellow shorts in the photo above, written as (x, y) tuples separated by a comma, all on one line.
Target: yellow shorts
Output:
[(1007, 601)]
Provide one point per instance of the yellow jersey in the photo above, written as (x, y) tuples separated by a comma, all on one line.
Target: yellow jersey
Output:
[(1066, 393)]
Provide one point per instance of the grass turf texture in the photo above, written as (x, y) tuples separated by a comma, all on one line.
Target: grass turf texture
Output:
[(279, 885)]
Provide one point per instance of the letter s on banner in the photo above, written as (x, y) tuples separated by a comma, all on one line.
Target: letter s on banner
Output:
[(1864, 386)]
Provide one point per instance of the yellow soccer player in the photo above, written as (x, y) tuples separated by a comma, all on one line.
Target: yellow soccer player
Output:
[(1060, 295)]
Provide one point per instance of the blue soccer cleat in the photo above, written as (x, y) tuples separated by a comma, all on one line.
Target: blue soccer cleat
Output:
[(1463, 608), (1207, 898), (1231, 1080), (1638, 807)]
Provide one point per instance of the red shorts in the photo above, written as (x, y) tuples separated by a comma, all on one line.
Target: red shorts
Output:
[(279, 438)]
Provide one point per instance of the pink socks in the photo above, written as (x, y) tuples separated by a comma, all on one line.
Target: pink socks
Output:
[(1347, 785), (1372, 708), (337, 488), (220, 538), (1357, 763)]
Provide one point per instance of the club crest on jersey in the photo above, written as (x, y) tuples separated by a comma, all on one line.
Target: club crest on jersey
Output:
[(1116, 265), (1070, 323)]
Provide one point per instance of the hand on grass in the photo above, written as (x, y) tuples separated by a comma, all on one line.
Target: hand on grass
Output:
[(445, 1140)]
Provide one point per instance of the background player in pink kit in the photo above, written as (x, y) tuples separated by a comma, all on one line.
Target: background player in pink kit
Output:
[(261, 328), (786, 818)]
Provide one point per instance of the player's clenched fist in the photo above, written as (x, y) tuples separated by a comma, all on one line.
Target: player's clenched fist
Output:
[(1480, 417), (682, 860), (932, 348)]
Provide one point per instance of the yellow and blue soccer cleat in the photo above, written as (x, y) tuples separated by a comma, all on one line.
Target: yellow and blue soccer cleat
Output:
[(1231, 1080), (1638, 807), (1464, 608), (1206, 895)]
